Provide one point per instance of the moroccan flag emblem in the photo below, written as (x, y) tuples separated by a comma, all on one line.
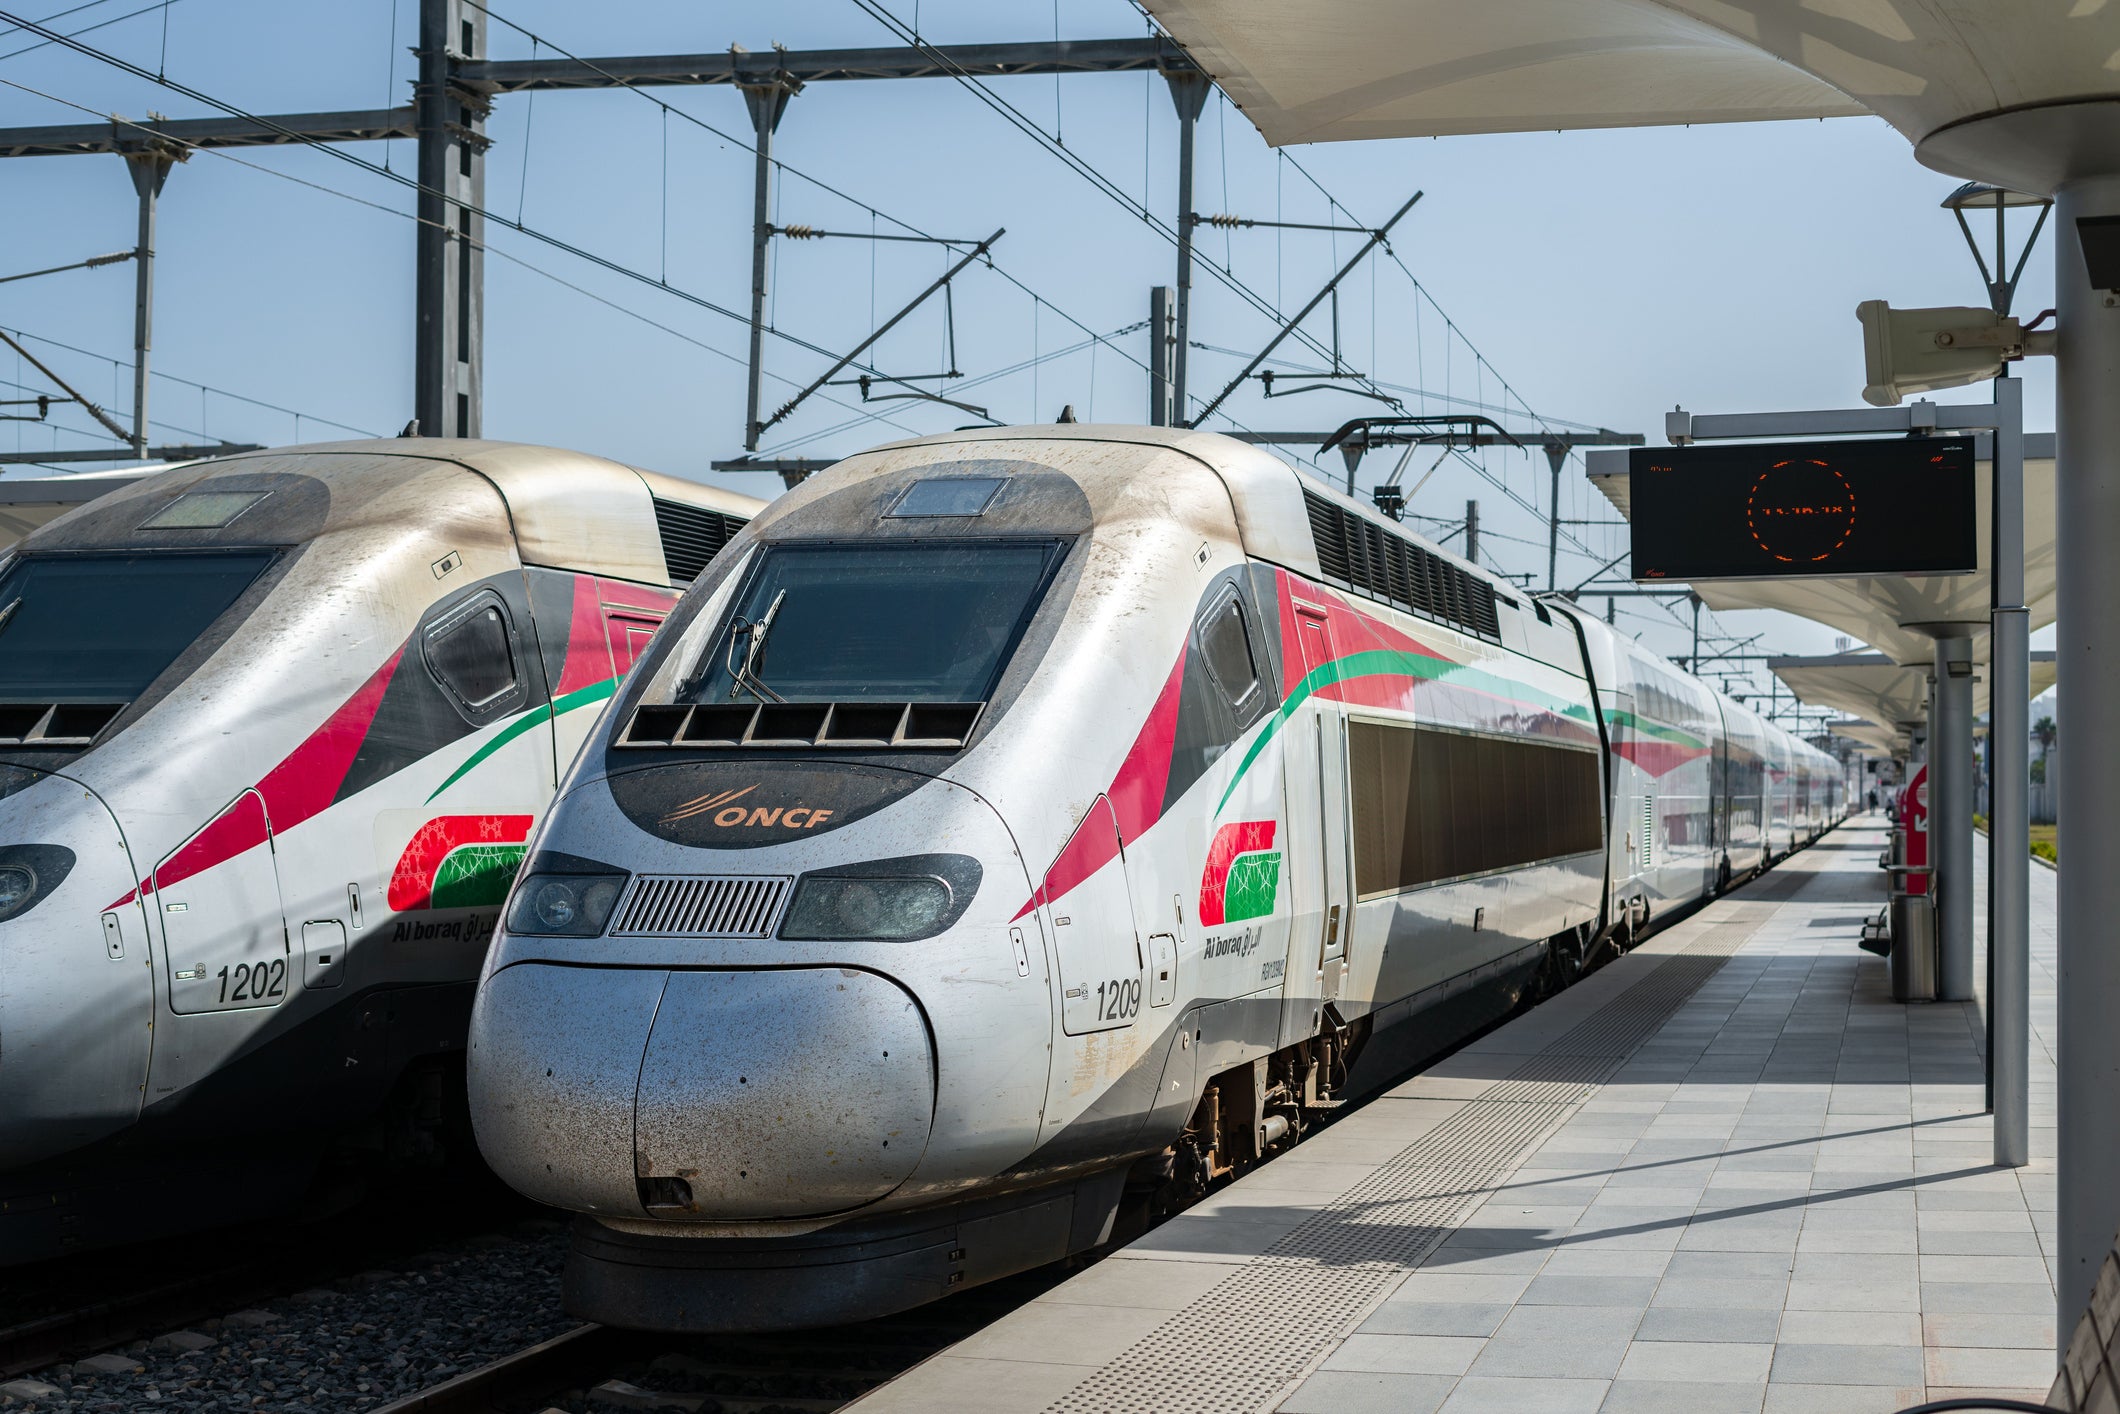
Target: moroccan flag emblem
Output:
[(1243, 875), (459, 861)]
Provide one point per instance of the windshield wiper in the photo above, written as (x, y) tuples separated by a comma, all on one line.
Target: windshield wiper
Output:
[(744, 677), (9, 612)]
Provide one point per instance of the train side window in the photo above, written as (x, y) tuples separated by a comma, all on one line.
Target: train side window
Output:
[(470, 651), (1226, 644)]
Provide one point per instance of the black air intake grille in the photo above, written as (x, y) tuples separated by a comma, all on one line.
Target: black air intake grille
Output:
[(691, 536), (1368, 558)]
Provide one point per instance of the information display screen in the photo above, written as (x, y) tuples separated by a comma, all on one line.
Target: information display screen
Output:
[(1903, 506)]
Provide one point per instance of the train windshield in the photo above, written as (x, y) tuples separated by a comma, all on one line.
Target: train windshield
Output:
[(902, 622), (102, 627)]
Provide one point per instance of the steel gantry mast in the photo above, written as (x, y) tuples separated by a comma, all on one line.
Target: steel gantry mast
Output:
[(456, 86)]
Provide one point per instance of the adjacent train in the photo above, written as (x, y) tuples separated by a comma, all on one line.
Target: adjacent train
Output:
[(1015, 831), (273, 731)]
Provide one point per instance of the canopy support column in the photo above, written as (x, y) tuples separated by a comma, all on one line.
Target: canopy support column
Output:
[(2086, 508), (2009, 870), (1951, 818)]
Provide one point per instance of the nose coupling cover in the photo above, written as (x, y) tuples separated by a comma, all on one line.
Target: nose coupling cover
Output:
[(701, 1095), (780, 1094)]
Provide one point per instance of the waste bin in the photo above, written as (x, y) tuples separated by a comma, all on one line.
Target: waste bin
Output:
[(1913, 940)]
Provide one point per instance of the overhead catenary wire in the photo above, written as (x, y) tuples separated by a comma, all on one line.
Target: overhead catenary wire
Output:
[(162, 5), (1088, 171), (189, 383), (486, 247), (411, 183), (779, 165)]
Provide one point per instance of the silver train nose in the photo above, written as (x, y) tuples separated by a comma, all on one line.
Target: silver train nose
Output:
[(700, 1095), (76, 994)]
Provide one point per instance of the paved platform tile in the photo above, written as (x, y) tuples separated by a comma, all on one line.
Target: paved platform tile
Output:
[(1780, 1202)]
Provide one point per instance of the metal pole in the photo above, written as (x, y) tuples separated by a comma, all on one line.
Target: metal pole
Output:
[(1159, 352), (1472, 531), (1376, 238), (766, 103), (1693, 662), (1188, 92), (433, 318), (2009, 819), (1556, 457), (941, 282), (449, 122), (149, 170), (93, 411), (2087, 506), (1951, 818)]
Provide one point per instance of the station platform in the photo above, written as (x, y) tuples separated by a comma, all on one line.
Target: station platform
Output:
[(1726, 1173)]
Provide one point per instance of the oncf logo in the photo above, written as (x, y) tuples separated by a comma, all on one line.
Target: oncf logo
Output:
[(727, 810), (1243, 876), (459, 861)]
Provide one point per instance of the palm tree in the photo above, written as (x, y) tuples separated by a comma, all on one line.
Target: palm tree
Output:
[(2045, 732)]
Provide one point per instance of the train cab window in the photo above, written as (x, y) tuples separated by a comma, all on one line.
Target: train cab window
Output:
[(103, 627), (843, 621), (948, 496), (470, 651), (203, 510), (1226, 645)]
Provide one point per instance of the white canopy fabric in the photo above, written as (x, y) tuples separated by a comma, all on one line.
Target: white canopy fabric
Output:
[(1878, 690), (1879, 739), (1327, 70), (1880, 611)]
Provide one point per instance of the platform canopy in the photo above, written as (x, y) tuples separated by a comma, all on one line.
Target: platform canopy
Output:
[(1324, 70), (1888, 695), (1882, 612), (29, 502), (1882, 740)]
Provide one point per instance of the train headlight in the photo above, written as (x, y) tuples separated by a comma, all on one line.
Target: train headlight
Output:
[(565, 905), (18, 886), (891, 900), (29, 873)]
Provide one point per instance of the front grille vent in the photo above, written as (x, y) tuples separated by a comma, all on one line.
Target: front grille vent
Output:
[(703, 905), (845, 726), (55, 723), (1371, 559), (691, 537)]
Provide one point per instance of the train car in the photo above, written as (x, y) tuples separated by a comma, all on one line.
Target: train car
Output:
[(1665, 747), (274, 730), (1014, 833)]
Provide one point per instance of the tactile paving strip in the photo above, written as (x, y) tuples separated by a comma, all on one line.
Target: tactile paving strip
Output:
[(1240, 1344)]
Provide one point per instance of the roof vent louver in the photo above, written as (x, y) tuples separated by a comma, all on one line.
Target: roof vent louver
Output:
[(1358, 554), (691, 537)]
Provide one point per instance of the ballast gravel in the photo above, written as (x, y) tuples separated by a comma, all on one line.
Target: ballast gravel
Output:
[(358, 1343)]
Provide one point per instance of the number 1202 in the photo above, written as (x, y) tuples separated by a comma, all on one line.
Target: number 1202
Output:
[(254, 981)]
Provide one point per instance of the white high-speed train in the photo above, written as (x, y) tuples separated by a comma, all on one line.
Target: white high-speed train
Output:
[(273, 732), (1013, 821)]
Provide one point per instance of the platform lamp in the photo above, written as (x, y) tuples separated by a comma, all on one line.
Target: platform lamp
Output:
[(2008, 752), (1979, 196)]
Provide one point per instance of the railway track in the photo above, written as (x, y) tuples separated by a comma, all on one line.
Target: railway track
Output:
[(598, 1368), (69, 1307)]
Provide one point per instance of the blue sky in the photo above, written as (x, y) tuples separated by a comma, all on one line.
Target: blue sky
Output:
[(1605, 276)]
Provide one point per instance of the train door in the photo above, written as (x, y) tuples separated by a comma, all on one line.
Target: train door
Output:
[(225, 952), (224, 944), (1092, 927), (1317, 798)]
